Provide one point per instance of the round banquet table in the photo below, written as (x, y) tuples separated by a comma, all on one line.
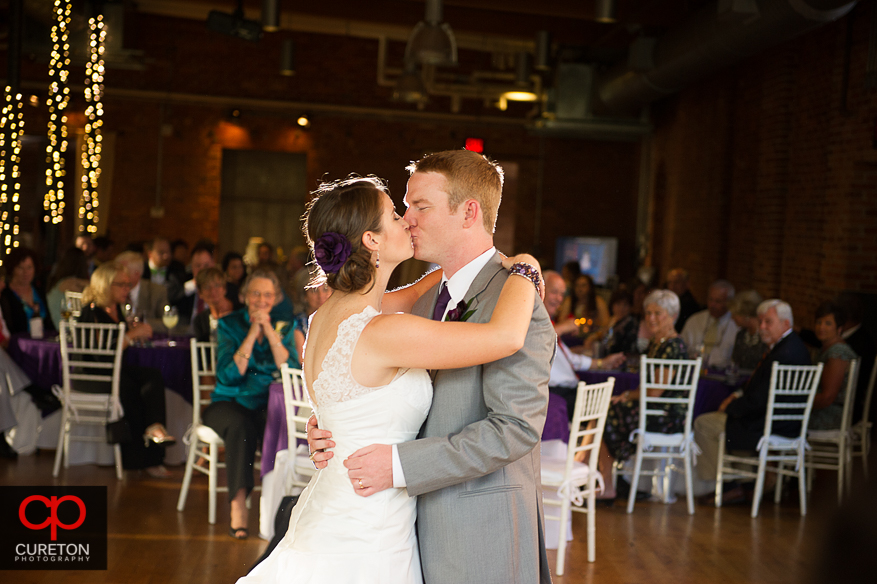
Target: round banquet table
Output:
[(711, 389), (40, 359)]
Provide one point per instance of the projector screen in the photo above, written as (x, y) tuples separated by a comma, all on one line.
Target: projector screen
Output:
[(596, 256)]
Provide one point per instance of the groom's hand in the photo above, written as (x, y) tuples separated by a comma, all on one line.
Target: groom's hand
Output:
[(318, 441), (370, 469)]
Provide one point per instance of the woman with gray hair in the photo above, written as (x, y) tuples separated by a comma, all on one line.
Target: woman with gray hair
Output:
[(250, 351), (748, 347), (661, 309)]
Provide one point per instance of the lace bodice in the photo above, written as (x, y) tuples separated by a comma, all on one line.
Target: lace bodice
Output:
[(335, 382)]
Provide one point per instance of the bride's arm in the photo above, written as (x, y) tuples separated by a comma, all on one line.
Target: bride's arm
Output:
[(403, 340), (402, 299)]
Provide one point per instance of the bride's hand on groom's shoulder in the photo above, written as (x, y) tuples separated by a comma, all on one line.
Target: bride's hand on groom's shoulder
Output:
[(318, 442)]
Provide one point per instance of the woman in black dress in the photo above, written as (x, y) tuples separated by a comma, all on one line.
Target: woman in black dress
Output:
[(661, 308), (141, 389)]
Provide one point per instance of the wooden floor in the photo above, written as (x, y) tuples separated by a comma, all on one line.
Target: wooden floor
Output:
[(150, 542)]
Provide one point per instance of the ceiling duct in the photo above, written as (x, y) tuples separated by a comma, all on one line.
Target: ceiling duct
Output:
[(568, 113), (715, 37)]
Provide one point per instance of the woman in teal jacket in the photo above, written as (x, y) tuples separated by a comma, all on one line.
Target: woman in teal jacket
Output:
[(250, 350)]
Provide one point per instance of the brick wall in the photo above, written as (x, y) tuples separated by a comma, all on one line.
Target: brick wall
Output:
[(588, 187), (766, 173)]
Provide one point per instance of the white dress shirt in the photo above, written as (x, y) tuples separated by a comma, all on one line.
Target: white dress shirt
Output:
[(134, 295), (695, 328), (458, 286), (565, 365)]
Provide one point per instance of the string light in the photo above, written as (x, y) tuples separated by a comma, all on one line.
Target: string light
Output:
[(11, 129), (59, 97), (94, 78)]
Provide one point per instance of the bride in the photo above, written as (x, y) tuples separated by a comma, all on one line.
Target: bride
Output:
[(365, 369)]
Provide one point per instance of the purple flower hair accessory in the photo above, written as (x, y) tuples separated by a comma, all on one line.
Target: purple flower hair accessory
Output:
[(331, 250)]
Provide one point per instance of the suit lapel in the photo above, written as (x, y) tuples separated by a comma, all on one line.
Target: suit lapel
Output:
[(478, 286), (482, 280)]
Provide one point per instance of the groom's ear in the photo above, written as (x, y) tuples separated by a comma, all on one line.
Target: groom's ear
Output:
[(471, 213)]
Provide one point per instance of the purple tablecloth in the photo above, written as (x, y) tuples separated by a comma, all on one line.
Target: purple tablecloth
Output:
[(275, 438), (557, 420), (41, 361), (710, 392)]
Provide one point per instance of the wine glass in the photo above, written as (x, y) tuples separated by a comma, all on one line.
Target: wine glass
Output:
[(128, 313), (66, 309), (170, 317)]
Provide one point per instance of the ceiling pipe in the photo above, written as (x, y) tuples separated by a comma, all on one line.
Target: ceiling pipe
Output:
[(301, 22), (710, 40)]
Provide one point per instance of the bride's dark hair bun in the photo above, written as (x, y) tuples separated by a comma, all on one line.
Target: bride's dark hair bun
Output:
[(345, 209)]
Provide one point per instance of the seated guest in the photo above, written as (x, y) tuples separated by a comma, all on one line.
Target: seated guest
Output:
[(84, 242), (828, 405), (147, 298), (188, 302), (103, 249), (748, 348), (564, 381), (860, 341), (624, 326), (314, 295), (233, 266), (158, 253), (179, 255), (661, 309), (70, 274), (251, 348), (13, 377), (141, 389), (584, 303), (299, 276), (677, 282), (711, 333), (20, 300), (212, 289), (570, 271), (741, 415)]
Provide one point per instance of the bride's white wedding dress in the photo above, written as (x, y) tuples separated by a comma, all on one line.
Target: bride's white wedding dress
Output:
[(336, 536)]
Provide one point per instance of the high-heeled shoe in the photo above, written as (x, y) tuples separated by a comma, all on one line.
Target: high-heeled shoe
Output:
[(157, 434)]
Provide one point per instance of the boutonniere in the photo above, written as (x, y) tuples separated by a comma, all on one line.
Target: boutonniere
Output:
[(279, 326), (461, 313)]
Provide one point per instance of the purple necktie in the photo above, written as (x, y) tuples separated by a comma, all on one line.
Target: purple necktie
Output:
[(443, 298)]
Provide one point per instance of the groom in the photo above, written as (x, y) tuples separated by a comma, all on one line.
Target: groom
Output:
[(475, 468)]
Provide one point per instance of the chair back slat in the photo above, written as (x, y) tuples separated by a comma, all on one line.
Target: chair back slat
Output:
[(790, 398), (298, 409), (869, 393), (592, 405), (850, 395), (677, 378), (203, 359), (82, 344)]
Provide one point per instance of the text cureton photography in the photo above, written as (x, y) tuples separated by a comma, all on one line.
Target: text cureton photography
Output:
[(54, 528)]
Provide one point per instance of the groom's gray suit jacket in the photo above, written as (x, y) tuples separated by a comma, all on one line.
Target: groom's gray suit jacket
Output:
[(476, 467)]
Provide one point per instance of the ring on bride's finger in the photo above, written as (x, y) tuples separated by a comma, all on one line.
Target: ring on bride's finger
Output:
[(360, 484), (312, 455)]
